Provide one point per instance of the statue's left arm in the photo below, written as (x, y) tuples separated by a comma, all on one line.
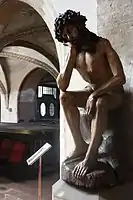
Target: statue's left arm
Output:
[(118, 78)]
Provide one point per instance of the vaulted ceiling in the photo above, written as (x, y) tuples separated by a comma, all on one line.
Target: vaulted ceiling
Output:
[(22, 26)]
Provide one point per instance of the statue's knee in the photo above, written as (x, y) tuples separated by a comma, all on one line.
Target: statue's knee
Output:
[(101, 103), (65, 98)]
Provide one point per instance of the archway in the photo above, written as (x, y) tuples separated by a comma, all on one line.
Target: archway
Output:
[(28, 110)]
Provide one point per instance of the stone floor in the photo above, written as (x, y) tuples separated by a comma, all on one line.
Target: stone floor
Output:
[(26, 190)]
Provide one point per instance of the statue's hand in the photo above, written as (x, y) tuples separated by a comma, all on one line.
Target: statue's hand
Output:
[(90, 106), (80, 170)]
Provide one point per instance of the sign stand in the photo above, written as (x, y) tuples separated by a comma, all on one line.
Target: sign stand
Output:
[(39, 179), (38, 155)]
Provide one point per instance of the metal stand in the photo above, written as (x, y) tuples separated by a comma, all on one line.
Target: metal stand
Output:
[(39, 179), (38, 156)]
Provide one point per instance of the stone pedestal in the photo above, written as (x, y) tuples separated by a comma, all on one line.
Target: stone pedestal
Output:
[(63, 191)]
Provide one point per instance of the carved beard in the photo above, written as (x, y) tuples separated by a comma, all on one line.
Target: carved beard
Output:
[(87, 41)]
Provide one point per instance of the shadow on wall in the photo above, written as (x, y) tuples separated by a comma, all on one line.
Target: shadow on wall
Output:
[(123, 138), (123, 144), (126, 127), (27, 104), (27, 95), (118, 193)]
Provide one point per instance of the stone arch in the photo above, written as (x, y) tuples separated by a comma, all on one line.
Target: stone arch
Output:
[(27, 94), (45, 65), (27, 44), (48, 66), (46, 10), (18, 39)]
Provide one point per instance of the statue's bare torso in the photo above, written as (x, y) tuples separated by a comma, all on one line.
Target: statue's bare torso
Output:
[(94, 68)]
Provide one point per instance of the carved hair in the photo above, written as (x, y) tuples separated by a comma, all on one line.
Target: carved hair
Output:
[(69, 17)]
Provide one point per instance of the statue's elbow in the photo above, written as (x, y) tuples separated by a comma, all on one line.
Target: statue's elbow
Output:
[(61, 83), (62, 87), (123, 80)]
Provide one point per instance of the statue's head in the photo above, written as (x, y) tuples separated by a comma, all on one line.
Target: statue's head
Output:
[(68, 26)]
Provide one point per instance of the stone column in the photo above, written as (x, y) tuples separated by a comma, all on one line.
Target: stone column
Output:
[(9, 113)]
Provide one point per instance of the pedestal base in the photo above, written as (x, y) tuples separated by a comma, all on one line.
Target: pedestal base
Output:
[(63, 191)]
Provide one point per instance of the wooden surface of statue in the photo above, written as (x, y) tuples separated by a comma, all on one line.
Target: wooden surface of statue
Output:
[(95, 164)]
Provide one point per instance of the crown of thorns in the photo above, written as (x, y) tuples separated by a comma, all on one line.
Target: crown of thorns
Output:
[(69, 17)]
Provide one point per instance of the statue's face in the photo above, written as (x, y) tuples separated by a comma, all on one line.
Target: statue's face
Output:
[(70, 34)]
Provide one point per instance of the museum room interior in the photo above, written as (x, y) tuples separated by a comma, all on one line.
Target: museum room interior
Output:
[(30, 112)]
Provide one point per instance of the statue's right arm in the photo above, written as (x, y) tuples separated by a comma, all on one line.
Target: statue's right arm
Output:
[(64, 77)]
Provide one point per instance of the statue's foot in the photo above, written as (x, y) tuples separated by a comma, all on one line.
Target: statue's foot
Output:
[(78, 152)]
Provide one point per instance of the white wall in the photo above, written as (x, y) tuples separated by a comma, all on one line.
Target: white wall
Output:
[(86, 7)]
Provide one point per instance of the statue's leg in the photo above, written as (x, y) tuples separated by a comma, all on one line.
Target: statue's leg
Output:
[(99, 122), (70, 102)]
